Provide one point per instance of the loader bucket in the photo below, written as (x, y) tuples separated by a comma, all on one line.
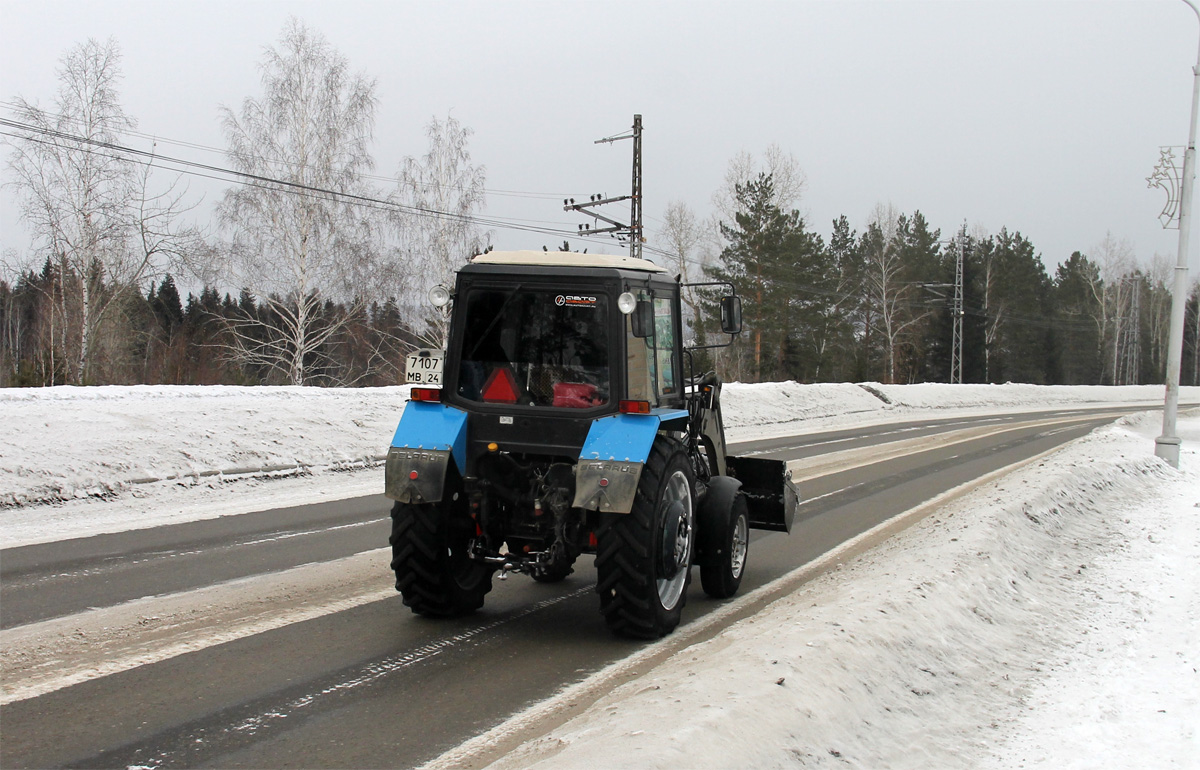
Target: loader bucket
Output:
[(771, 497)]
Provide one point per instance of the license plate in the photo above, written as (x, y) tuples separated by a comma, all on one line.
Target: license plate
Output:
[(424, 367)]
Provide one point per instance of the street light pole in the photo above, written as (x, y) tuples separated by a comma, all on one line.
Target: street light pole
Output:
[(1166, 446)]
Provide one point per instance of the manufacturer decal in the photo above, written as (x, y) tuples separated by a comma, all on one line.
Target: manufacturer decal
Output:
[(574, 300), (615, 467)]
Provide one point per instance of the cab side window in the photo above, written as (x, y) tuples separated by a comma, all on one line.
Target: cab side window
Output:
[(650, 363), (665, 332), (639, 362)]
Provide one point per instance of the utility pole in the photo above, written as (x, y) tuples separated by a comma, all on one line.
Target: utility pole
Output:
[(632, 232), (635, 206), (956, 347), (1166, 446), (955, 303)]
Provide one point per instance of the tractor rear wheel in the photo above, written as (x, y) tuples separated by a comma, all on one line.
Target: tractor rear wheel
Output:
[(644, 557), (431, 559)]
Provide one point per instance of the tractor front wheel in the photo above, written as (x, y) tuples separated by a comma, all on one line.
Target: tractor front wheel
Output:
[(644, 557), (731, 543)]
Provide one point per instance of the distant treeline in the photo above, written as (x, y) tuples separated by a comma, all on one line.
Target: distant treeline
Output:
[(159, 339), (880, 305), (871, 307)]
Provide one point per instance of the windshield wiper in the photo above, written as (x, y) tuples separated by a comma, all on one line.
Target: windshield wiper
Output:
[(499, 314)]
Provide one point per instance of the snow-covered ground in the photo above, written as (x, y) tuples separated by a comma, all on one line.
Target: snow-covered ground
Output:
[(1046, 619), (177, 453)]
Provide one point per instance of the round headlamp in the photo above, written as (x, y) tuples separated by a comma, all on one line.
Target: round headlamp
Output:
[(439, 296), (626, 303)]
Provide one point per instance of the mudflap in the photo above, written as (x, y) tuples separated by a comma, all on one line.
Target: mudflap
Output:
[(771, 497), (610, 463), (415, 475)]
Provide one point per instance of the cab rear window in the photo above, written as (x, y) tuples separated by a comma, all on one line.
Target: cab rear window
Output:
[(535, 347)]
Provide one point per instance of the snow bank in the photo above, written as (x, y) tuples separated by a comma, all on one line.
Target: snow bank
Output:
[(781, 408), (943, 396), (1048, 619), (67, 443)]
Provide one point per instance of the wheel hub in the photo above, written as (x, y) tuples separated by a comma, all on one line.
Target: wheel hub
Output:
[(674, 555), (675, 539)]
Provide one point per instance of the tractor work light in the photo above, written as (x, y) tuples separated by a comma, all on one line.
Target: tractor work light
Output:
[(626, 303), (439, 296)]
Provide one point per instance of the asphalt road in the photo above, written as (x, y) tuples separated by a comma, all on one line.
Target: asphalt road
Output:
[(375, 686)]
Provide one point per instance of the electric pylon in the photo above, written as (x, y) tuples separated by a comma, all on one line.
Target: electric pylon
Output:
[(632, 232)]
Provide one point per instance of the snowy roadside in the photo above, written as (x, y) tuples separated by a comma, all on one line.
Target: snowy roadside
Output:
[(1047, 619), (76, 462)]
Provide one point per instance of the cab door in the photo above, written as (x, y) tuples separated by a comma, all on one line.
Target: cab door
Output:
[(653, 363)]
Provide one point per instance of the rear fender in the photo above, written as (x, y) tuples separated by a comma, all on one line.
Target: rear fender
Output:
[(429, 437), (611, 461)]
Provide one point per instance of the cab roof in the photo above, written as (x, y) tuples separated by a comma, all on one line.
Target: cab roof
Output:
[(565, 259)]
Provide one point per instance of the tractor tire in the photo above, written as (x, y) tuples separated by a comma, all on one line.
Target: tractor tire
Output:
[(434, 571), (644, 557), (722, 580)]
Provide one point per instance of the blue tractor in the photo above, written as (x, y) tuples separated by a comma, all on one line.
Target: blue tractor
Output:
[(565, 417)]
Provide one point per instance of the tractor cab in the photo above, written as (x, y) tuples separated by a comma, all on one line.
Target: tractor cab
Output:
[(542, 344)]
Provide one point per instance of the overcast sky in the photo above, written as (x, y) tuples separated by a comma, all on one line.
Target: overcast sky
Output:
[(1043, 117)]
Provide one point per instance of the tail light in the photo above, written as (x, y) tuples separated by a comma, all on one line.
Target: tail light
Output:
[(426, 394), (634, 407)]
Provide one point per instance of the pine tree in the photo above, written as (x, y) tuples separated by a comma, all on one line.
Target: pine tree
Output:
[(1020, 338), (780, 270), (835, 351), (1077, 314), (167, 307)]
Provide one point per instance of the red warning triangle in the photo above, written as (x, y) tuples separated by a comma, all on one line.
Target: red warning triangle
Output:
[(501, 386)]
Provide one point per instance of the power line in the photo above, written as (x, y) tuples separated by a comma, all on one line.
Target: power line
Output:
[(220, 173), (527, 194)]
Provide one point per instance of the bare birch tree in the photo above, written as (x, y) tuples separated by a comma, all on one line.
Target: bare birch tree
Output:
[(1116, 260), (688, 240), (88, 205), (781, 166), (994, 312), (884, 282), (439, 196), (305, 240), (1159, 280)]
